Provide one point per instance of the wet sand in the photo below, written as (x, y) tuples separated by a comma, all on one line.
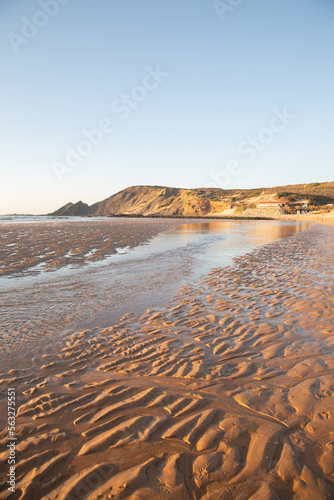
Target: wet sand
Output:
[(46, 246), (37, 306), (227, 392)]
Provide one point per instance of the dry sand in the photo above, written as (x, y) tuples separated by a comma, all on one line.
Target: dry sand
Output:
[(225, 393), (321, 218)]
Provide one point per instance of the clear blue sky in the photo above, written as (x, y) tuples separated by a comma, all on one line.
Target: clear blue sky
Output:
[(71, 65)]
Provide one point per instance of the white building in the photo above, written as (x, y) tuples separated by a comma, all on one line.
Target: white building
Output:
[(276, 204)]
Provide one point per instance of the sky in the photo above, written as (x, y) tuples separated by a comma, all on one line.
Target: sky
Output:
[(100, 95)]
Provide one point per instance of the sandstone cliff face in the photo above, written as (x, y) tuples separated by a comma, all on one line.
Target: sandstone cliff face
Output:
[(145, 201), (154, 200)]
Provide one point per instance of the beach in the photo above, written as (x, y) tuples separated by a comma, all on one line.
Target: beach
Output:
[(223, 391), (49, 245)]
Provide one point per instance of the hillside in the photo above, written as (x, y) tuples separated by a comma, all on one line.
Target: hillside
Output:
[(78, 208), (175, 202)]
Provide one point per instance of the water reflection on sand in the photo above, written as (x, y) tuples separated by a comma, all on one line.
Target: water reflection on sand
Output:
[(95, 294)]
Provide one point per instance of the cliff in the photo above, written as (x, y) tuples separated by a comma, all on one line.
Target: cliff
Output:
[(175, 202)]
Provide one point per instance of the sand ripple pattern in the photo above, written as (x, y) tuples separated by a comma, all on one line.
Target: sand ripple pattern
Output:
[(226, 393)]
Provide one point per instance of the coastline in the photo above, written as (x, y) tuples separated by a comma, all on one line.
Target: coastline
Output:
[(37, 306), (79, 242), (73, 242), (227, 390)]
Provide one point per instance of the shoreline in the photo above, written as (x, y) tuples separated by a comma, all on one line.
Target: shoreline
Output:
[(37, 307), (76, 243), (227, 390)]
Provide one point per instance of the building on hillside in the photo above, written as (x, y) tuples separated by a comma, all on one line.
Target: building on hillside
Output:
[(273, 204), (302, 203)]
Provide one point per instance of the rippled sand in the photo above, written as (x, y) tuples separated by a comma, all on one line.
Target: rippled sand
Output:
[(36, 306), (227, 392)]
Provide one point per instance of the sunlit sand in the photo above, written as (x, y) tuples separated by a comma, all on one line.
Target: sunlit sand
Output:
[(226, 391)]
